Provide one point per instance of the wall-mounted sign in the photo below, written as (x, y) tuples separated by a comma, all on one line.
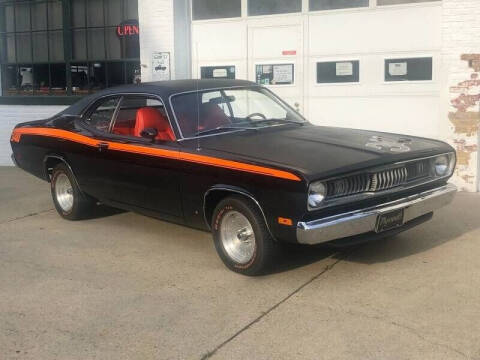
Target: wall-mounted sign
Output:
[(289, 52), (344, 68), (275, 74), (128, 28), (397, 69), (160, 66), (217, 72)]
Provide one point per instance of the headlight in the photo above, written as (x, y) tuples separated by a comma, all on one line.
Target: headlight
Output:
[(443, 165), (316, 194)]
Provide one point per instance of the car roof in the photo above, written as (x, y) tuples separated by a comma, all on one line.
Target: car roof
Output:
[(164, 89)]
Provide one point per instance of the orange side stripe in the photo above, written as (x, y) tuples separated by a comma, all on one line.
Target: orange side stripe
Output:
[(170, 154)]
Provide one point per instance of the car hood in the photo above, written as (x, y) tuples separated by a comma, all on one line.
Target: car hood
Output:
[(317, 151)]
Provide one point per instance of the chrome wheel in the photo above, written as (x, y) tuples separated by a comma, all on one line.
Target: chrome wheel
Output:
[(237, 237), (64, 192)]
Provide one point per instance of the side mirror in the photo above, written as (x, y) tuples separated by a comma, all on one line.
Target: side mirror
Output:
[(149, 133)]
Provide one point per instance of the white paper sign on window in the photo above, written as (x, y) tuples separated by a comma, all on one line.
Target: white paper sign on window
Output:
[(219, 73), (282, 74), (397, 69), (161, 66), (344, 68)]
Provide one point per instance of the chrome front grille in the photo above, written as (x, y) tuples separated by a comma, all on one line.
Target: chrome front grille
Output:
[(388, 179), (375, 181), (348, 185)]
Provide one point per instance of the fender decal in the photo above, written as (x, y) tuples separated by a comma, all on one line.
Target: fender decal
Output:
[(169, 154)]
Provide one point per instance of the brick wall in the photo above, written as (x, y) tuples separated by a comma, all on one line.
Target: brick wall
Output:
[(156, 33), (461, 65), (10, 115)]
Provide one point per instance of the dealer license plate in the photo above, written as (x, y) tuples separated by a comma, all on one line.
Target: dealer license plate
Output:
[(389, 220)]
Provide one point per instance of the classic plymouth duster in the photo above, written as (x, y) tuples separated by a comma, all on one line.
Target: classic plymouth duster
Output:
[(231, 157)]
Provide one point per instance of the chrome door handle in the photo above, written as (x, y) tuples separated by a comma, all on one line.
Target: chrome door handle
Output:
[(102, 146)]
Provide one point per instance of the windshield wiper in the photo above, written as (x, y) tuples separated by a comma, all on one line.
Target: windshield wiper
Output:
[(221, 129), (282, 121)]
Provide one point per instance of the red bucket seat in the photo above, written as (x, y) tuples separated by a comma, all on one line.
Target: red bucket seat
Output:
[(149, 117)]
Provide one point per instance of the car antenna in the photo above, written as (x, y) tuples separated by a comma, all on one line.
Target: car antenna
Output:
[(197, 101), (198, 114)]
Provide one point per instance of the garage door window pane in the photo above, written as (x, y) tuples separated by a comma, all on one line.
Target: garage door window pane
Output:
[(216, 9), (275, 74), (337, 72), (217, 72), (395, 2), (336, 4), (408, 69), (268, 7)]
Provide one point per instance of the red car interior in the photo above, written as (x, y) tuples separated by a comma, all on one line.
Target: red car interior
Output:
[(146, 117), (124, 127), (149, 117), (212, 116)]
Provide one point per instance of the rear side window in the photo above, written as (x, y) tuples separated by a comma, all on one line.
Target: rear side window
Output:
[(101, 115)]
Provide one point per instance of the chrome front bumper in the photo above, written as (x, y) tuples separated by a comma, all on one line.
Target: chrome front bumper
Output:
[(364, 220)]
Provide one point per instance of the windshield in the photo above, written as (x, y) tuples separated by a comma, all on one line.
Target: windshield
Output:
[(228, 110)]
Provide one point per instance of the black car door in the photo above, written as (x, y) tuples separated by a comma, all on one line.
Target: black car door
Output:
[(89, 163), (141, 171)]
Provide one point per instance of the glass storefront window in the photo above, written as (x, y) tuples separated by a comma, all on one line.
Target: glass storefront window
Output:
[(45, 54)]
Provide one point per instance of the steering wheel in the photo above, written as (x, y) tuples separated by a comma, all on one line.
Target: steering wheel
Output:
[(249, 117)]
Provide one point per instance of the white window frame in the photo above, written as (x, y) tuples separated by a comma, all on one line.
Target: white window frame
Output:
[(337, 59), (409, 56), (284, 62)]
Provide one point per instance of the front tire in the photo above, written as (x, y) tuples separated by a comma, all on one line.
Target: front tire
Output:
[(241, 237), (69, 201)]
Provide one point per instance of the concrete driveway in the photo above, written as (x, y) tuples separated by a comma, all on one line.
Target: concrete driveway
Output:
[(124, 286)]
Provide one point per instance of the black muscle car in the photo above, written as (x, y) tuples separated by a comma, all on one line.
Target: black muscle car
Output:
[(231, 157)]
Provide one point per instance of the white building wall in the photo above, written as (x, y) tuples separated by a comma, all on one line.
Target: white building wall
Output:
[(156, 33), (10, 115), (460, 116)]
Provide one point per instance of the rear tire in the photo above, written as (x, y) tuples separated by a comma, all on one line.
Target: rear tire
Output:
[(68, 199), (241, 237)]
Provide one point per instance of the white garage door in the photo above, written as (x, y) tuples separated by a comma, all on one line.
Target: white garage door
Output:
[(371, 66)]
